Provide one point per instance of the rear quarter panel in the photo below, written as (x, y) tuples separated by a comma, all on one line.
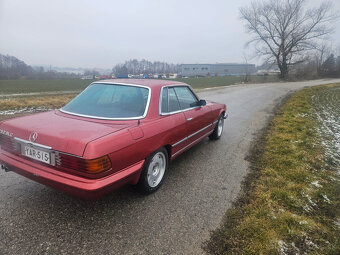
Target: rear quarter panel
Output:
[(125, 150)]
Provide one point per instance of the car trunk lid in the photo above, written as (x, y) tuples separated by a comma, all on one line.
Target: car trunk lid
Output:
[(62, 133)]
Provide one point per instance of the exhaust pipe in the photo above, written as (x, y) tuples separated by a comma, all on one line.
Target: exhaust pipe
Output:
[(5, 168)]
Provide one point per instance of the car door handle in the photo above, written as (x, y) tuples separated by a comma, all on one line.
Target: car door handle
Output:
[(188, 119)]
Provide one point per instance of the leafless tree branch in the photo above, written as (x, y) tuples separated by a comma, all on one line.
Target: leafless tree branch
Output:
[(285, 30)]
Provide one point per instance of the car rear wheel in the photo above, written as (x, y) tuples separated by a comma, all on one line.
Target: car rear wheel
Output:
[(153, 172), (217, 133)]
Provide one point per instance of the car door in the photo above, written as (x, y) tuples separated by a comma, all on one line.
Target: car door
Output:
[(173, 119), (198, 118)]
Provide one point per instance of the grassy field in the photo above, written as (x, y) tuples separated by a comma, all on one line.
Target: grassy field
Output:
[(290, 203), (29, 86), (53, 98), (33, 102)]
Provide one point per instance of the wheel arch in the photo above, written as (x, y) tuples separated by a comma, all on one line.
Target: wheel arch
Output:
[(222, 111), (168, 149)]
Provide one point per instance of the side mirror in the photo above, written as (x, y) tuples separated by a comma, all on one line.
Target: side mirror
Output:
[(199, 103), (202, 102)]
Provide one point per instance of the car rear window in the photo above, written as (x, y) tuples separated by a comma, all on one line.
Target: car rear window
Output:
[(110, 101)]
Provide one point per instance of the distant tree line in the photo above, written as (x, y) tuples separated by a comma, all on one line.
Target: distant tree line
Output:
[(325, 63), (330, 67), (143, 66), (12, 68)]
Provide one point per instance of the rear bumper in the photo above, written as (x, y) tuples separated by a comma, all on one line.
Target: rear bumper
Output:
[(72, 184)]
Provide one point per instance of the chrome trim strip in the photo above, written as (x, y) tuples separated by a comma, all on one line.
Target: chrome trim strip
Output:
[(174, 112), (199, 131), (170, 113), (69, 154), (34, 144), (38, 146), (175, 144), (193, 134), (103, 118), (201, 137)]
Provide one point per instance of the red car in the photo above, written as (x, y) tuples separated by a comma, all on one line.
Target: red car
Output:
[(115, 132)]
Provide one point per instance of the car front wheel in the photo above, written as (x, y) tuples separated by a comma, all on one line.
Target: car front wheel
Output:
[(153, 172), (217, 133)]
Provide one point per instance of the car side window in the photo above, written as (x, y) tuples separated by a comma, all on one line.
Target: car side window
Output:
[(169, 101), (173, 101), (186, 98), (164, 100)]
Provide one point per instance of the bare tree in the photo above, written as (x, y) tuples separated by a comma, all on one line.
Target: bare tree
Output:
[(284, 30), (323, 52)]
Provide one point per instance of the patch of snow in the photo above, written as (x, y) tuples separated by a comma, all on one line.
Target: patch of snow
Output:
[(307, 208), (326, 199), (309, 199), (309, 243), (316, 184), (303, 222), (330, 127), (283, 247), (25, 110), (337, 223)]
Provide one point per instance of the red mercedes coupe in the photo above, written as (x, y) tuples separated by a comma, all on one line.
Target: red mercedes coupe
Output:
[(115, 132)]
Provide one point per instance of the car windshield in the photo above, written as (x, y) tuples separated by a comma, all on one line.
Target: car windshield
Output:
[(110, 101)]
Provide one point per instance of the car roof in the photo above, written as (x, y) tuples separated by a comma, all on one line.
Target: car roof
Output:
[(152, 83)]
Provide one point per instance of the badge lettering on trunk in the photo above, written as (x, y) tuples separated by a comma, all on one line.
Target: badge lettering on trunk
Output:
[(4, 132)]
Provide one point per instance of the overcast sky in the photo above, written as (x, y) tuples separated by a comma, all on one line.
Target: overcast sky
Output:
[(102, 33)]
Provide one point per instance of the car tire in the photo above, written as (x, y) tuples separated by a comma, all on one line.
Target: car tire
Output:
[(153, 172), (218, 130)]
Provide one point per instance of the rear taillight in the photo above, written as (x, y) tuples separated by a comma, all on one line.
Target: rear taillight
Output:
[(7, 143), (91, 166)]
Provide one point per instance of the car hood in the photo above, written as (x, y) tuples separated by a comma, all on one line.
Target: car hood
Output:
[(62, 133)]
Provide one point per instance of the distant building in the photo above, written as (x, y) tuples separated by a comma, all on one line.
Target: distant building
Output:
[(192, 70)]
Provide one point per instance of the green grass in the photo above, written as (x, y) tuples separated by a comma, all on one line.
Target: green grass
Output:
[(28, 86), (290, 203)]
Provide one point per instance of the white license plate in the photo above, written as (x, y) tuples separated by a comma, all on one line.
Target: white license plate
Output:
[(37, 154)]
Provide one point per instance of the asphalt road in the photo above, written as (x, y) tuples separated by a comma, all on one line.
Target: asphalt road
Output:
[(199, 188)]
